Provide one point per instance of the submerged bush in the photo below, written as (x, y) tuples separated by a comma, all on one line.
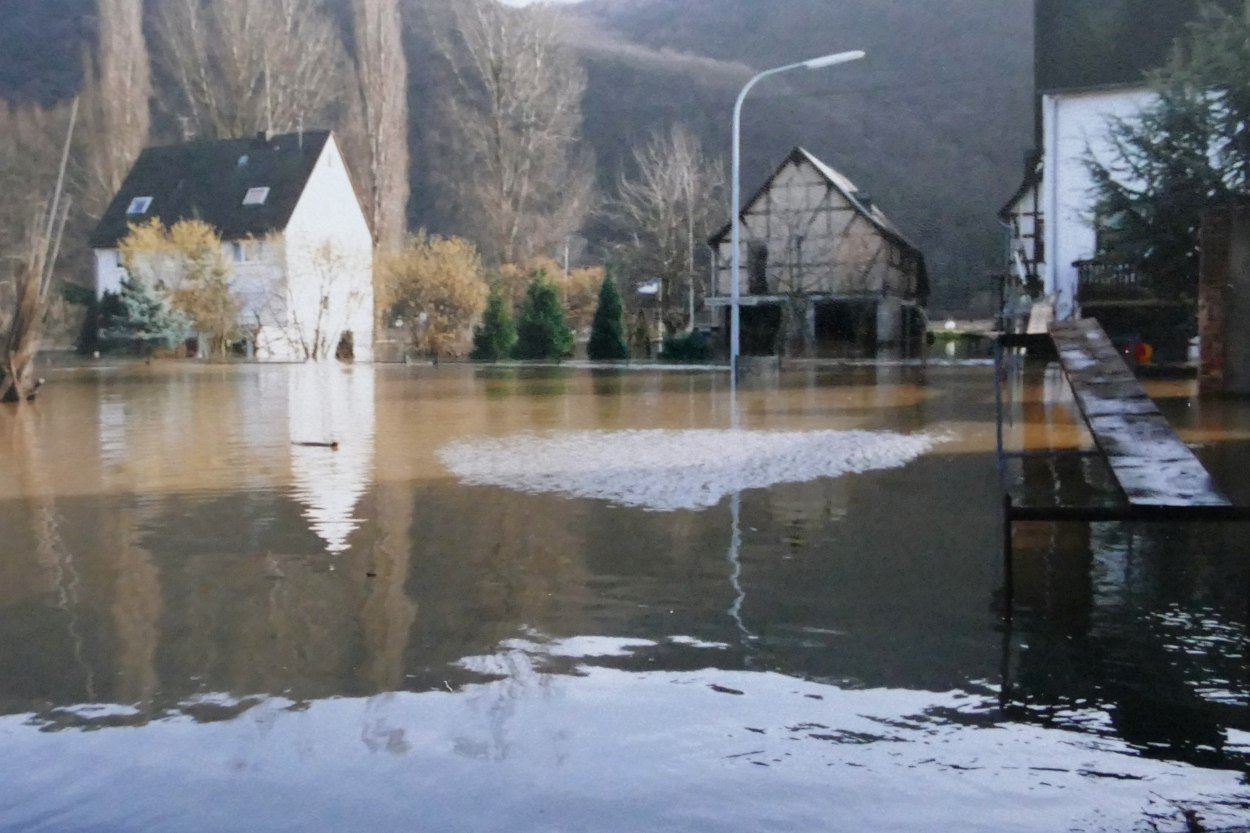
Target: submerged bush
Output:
[(692, 348)]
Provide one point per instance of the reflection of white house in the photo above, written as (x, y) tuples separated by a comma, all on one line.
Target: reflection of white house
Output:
[(810, 232), (1051, 216), (295, 236), (331, 403)]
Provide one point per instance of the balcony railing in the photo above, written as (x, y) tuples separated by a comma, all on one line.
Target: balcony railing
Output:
[(1101, 281)]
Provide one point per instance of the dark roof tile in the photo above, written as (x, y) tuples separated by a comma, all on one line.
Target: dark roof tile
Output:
[(207, 180)]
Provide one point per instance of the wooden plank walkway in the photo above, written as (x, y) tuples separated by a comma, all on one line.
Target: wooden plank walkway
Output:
[(1153, 467)]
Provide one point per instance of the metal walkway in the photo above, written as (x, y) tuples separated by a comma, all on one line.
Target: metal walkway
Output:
[(1159, 479)]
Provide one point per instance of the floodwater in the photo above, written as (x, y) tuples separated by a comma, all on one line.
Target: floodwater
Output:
[(206, 626)]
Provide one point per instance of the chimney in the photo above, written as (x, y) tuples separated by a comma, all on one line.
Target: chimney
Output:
[(262, 138)]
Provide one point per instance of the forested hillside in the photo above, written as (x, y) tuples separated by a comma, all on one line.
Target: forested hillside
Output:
[(933, 124), (1084, 43), (40, 45)]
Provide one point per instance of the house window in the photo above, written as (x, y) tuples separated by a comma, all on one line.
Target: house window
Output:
[(247, 251), (256, 196), (139, 205)]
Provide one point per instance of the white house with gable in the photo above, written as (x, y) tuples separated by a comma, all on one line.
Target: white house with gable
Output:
[(294, 234), (1052, 220)]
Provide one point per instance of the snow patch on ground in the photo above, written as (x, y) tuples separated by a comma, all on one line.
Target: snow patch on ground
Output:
[(665, 471)]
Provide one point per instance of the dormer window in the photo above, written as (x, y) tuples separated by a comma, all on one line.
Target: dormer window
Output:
[(256, 196), (139, 205)]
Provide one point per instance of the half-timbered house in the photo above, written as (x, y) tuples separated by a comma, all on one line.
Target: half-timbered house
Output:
[(821, 266)]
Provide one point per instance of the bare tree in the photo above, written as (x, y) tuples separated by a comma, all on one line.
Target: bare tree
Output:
[(240, 66), (666, 206), (117, 90), (381, 74), (29, 153), (519, 177), (309, 314), (45, 226)]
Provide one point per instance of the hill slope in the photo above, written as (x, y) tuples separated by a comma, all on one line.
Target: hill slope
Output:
[(933, 124)]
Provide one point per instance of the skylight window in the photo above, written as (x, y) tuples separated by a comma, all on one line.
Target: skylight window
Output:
[(256, 196), (139, 205)]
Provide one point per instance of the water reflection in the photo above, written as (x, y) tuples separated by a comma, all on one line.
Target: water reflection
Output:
[(290, 632), (331, 404), (1130, 631)]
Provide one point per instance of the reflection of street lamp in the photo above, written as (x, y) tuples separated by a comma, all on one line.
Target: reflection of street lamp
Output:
[(735, 242)]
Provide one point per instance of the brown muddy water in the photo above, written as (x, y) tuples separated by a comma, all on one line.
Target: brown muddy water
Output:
[(474, 615)]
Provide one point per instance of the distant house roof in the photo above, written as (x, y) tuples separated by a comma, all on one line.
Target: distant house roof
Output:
[(848, 189), (221, 182)]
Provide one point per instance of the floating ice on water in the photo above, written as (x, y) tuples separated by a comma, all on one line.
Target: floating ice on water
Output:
[(666, 471)]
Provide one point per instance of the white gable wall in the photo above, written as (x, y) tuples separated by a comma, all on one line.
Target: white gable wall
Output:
[(1072, 124), (329, 266), (108, 271)]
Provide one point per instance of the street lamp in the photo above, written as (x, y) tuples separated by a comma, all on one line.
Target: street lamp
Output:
[(735, 239)]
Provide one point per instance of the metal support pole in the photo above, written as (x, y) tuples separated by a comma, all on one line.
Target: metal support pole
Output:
[(1009, 567), (736, 202)]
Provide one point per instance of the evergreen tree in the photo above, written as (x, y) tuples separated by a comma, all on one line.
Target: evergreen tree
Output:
[(607, 331), (132, 319), (494, 338), (542, 332), (1187, 150)]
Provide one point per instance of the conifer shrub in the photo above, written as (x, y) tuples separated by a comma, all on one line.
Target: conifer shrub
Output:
[(607, 330), (495, 337), (542, 331), (133, 320)]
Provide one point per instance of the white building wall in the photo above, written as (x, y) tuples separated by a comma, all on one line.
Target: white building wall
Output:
[(1073, 124), (258, 283), (108, 273), (329, 261)]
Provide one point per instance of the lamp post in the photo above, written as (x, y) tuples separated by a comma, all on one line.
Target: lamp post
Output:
[(735, 292)]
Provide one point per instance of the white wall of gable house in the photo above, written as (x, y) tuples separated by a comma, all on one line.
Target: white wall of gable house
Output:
[(257, 281), (1075, 126), (108, 272), (329, 260), (842, 253)]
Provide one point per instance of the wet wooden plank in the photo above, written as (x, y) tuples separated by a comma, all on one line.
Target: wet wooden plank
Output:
[(1151, 464)]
